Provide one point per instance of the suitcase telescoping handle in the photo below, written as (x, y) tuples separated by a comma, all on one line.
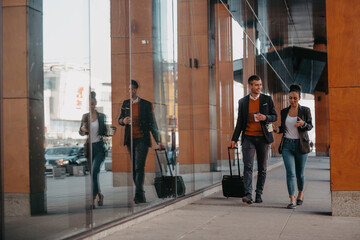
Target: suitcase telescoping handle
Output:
[(167, 161), (237, 157)]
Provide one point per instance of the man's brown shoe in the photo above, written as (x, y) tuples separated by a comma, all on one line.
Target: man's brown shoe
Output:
[(247, 199)]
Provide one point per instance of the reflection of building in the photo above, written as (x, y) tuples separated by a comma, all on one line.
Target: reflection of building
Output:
[(66, 99), (169, 79)]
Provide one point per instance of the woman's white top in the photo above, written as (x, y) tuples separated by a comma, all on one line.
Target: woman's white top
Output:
[(291, 130), (94, 131)]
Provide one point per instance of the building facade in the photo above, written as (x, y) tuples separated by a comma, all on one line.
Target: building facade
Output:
[(192, 60)]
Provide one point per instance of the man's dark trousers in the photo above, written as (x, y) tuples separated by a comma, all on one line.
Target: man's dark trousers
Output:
[(139, 153), (250, 145)]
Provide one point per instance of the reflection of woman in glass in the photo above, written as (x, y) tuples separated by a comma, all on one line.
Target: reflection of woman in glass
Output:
[(295, 123), (96, 130)]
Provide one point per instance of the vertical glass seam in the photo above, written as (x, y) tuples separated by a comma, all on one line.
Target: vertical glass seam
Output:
[(90, 145), (2, 234)]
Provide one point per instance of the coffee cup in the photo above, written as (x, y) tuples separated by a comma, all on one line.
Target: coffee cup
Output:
[(255, 117), (269, 127), (111, 131)]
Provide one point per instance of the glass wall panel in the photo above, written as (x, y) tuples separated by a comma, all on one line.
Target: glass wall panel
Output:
[(165, 58), (66, 99), (272, 39), (220, 91), (154, 109), (265, 28), (203, 97), (63, 165), (264, 35), (111, 184), (185, 94), (229, 85), (127, 79)]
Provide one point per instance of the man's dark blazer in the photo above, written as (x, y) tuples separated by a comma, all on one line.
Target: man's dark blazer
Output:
[(266, 107), (146, 119), (305, 114)]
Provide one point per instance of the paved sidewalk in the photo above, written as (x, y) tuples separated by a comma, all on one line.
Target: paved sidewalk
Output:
[(216, 217)]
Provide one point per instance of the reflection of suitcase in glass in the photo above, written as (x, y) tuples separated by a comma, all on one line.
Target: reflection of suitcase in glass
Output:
[(168, 186), (233, 185)]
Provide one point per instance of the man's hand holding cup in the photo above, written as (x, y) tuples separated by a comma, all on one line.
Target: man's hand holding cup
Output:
[(259, 117)]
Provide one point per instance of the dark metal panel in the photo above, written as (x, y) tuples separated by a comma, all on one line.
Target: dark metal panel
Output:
[(283, 22), (305, 66)]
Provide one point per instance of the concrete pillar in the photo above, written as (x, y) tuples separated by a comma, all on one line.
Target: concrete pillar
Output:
[(197, 131), (23, 117), (185, 88), (130, 58), (322, 131), (280, 102), (249, 59), (224, 80), (279, 97), (120, 81), (344, 99)]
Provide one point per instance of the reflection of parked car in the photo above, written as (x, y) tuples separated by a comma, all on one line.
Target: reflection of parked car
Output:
[(64, 156)]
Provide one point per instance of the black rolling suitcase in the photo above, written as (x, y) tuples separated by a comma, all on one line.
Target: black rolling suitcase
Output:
[(233, 185), (168, 186)]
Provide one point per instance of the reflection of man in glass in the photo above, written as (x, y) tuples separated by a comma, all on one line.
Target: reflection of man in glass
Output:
[(143, 122)]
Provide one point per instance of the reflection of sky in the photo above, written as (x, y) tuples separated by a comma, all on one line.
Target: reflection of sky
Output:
[(66, 34), (238, 45), (169, 30), (66, 31), (100, 41)]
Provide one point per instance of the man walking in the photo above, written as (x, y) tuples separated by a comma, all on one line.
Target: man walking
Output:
[(143, 122), (255, 115)]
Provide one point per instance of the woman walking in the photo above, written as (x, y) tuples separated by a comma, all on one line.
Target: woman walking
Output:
[(93, 124), (294, 147)]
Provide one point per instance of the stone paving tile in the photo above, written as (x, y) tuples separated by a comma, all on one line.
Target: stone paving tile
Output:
[(216, 217)]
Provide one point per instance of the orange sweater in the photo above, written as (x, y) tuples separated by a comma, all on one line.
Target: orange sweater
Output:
[(135, 121), (253, 128)]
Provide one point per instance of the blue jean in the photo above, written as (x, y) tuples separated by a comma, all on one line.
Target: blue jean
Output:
[(294, 162), (250, 145), (98, 156)]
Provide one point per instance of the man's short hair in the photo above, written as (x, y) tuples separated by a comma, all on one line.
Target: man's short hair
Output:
[(134, 84), (253, 78)]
